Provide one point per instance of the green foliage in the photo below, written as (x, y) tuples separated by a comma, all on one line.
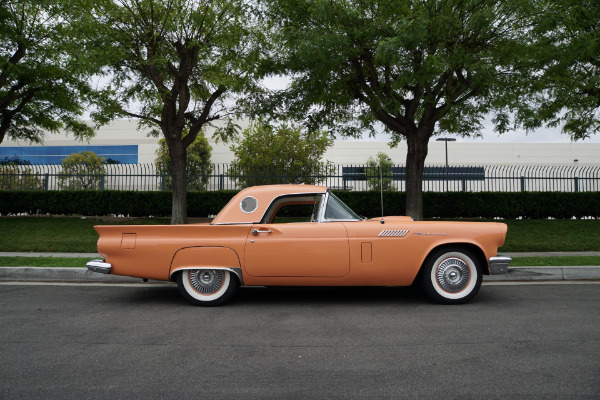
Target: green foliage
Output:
[(43, 86), (488, 205), (567, 51), (413, 68), (266, 155), (198, 163), (13, 177), (82, 171), (175, 56), (560, 261), (379, 173), (405, 64), (177, 65), (108, 203)]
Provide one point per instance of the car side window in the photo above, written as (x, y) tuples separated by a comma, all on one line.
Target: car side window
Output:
[(292, 209), (293, 213)]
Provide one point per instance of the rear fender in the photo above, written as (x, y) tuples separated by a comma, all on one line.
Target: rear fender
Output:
[(206, 258)]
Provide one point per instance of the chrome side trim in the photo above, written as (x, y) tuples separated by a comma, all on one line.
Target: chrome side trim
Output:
[(99, 266), (236, 270), (499, 265), (235, 223)]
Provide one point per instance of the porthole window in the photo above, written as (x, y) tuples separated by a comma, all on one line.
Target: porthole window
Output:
[(248, 204)]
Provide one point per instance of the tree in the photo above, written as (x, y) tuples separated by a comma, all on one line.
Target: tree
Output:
[(180, 61), (82, 171), (379, 172), (415, 68), (267, 155), (567, 51), (43, 87), (198, 163)]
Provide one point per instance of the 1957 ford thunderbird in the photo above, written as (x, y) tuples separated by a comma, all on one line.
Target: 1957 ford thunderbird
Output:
[(300, 235)]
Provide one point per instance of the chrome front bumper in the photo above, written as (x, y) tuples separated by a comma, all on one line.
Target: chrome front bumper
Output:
[(499, 265), (99, 266)]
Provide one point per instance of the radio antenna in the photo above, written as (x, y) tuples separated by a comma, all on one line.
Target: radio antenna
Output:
[(381, 188)]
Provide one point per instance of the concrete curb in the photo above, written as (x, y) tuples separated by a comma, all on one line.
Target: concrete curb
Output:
[(553, 254), (40, 274), (565, 273)]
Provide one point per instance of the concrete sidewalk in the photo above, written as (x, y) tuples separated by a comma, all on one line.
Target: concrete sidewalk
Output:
[(523, 254), (40, 274), (34, 254)]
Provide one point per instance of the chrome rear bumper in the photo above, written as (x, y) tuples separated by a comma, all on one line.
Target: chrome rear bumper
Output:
[(99, 266), (499, 265)]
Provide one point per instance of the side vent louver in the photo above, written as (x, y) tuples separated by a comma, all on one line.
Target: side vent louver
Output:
[(393, 233)]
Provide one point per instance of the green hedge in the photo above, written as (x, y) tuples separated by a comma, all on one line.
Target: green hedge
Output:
[(507, 205), (108, 202)]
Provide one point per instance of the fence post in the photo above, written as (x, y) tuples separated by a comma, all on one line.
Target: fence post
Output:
[(101, 182), (46, 179), (221, 182), (576, 181), (522, 183), (162, 182)]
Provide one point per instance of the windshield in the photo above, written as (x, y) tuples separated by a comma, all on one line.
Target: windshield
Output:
[(337, 210)]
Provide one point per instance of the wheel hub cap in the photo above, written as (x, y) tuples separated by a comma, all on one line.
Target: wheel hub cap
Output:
[(206, 281), (453, 275)]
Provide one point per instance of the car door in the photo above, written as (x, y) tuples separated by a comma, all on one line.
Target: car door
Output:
[(311, 249)]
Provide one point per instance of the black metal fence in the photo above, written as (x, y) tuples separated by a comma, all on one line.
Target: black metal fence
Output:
[(144, 177)]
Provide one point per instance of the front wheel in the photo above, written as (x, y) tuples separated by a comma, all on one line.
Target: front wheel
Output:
[(207, 287), (451, 276)]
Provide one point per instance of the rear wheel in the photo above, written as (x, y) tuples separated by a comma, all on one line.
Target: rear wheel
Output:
[(207, 287), (451, 276)]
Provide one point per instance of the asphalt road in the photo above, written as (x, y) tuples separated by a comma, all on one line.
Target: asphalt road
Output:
[(532, 341)]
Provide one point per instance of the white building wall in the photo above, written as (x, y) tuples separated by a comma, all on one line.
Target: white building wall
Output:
[(125, 132)]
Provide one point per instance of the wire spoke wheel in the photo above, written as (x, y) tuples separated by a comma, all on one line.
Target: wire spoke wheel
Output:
[(207, 287), (206, 281), (451, 275)]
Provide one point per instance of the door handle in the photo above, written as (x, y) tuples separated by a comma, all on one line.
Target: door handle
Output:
[(256, 231)]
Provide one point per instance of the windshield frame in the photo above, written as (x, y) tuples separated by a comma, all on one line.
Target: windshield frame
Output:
[(325, 203)]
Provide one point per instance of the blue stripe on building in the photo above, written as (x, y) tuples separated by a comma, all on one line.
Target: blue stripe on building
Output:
[(124, 154)]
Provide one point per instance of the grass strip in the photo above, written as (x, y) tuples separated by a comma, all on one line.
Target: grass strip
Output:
[(59, 234), (69, 262), (47, 262), (552, 235), (555, 261), (77, 235)]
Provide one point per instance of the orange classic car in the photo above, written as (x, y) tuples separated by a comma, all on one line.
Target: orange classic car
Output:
[(301, 235)]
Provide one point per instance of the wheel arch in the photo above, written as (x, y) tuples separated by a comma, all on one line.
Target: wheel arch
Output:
[(221, 258)]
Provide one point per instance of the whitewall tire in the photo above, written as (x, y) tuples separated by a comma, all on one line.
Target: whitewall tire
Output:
[(451, 275), (207, 287)]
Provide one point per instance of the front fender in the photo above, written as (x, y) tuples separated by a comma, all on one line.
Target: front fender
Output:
[(206, 258)]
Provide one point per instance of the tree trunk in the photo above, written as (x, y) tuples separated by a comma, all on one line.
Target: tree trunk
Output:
[(415, 165), (179, 183)]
